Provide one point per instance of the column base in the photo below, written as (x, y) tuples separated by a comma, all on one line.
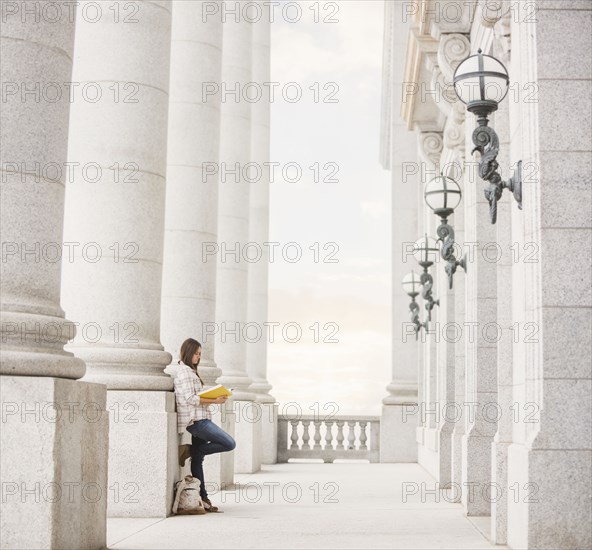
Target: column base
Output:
[(427, 451), (445, 455), (476, 499), (54, 442), (143, 451), (219, 468), (549, 505), (269, 433), (457, 460), (247, 433), (398, 425), (499, 477)]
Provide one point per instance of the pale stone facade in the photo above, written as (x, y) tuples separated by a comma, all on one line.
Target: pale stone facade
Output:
[(508, 411), (137, 211)]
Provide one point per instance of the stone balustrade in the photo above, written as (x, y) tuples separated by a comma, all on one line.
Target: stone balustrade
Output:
[(338, 437)]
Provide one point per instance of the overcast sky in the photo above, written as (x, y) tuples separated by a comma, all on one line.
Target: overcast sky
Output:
[(351, 295)]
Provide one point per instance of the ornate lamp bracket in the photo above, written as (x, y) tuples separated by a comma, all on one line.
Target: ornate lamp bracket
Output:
[(427, 283), (414, 309), (487, 143), (446, 235)]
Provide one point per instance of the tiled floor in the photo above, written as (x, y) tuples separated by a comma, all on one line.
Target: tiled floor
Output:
[(342, 506)]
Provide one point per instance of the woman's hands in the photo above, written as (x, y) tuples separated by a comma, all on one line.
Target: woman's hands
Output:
[(218, 401)]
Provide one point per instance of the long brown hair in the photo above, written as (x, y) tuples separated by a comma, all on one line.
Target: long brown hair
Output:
[(188, 349)]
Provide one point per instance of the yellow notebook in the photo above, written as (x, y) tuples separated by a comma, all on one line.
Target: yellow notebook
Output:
[(216, 391)]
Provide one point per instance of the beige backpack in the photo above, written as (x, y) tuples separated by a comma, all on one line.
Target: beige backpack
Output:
[(187, 498)]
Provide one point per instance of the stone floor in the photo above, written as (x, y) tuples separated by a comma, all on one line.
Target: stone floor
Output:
[(347, 505)]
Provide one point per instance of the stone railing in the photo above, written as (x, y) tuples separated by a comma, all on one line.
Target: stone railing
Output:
[(337, 437)]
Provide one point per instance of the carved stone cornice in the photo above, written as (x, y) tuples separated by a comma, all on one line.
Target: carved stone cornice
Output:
[(418, 47), (422, 16), (448, 16)]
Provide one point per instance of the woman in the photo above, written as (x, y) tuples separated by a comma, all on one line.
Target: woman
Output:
[(193, 415)]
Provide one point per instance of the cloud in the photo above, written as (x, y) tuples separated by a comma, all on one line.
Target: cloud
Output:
[(374, 209), (355, 293), (301, 51)]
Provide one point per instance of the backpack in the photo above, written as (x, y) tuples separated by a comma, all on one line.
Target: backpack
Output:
[(187, 497)]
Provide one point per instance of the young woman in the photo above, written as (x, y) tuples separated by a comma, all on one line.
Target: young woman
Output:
[(194, 416)]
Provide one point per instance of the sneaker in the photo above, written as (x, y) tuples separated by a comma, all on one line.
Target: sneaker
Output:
[(209, 507)]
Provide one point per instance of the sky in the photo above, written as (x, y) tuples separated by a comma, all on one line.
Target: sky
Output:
[(341, 286)]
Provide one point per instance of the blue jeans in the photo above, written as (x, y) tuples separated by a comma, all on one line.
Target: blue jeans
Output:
[(207, 439)]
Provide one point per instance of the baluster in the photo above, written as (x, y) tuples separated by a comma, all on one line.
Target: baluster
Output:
[(340, 434), (351, 436), (294, 435), (363, 436), (317, 435), (329, 435), (305, 435)]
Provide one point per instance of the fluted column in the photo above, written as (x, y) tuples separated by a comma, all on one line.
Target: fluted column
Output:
[(38, 385), (189, 267), (233, 210), (191, 220), (259, 233), (233, 234), (121, 139), (399, 410), (34, 146), (119, 206)]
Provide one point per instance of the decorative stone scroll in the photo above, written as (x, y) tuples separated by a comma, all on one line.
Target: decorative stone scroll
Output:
[(453, 48), (430, 146)]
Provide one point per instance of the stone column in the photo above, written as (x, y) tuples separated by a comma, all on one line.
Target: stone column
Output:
[(422, 386), (115, 210), (481, 349), (551, 452), (399, 410), (445, 365), (233, 235), (454, 46), (506, 332), (452, 49), (190, 238), (459, 346), (54, 428), (259, 234), (189, 267), (430, 146)]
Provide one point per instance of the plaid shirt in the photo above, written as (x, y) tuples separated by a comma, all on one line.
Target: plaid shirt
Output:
[(187, 384)]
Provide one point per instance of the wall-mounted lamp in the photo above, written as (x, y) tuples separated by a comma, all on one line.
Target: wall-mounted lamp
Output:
[(426, 251), (443, 195), (412, 285), (482, 82)]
